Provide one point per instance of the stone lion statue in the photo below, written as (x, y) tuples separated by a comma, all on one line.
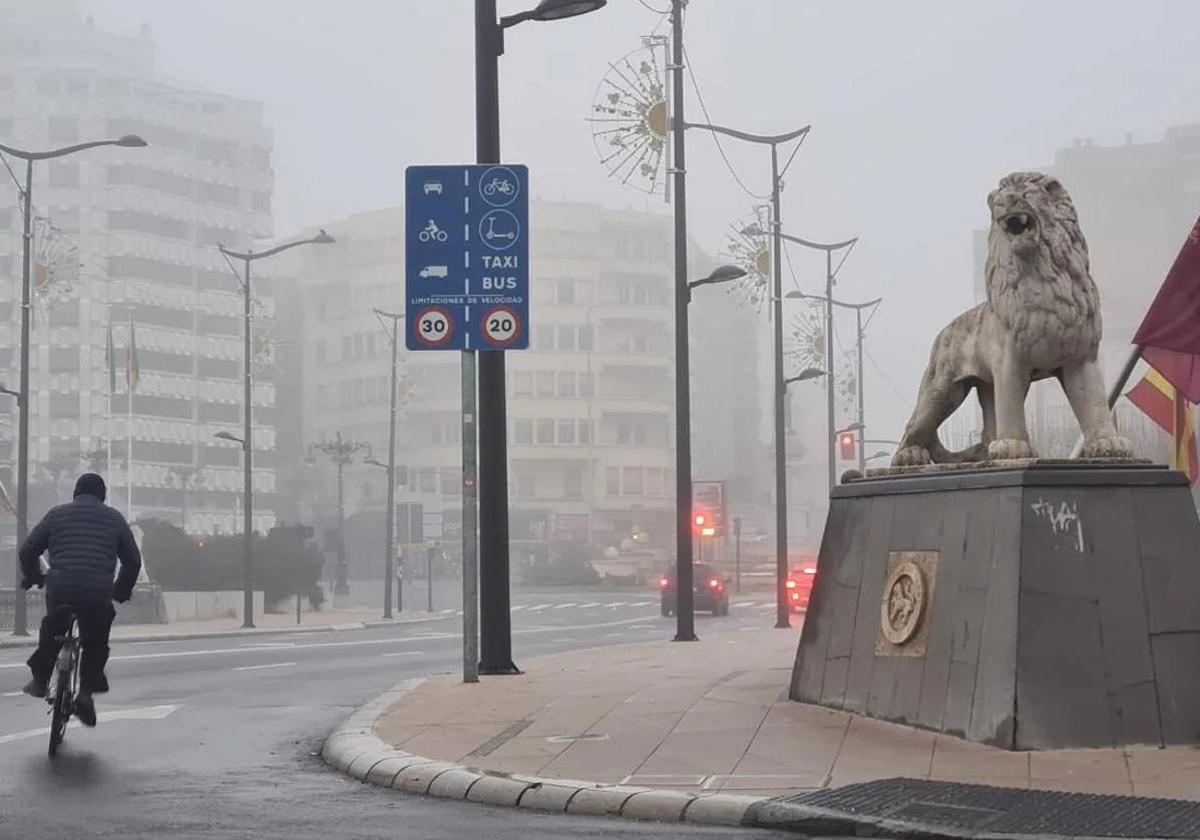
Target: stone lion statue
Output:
[(1041, 319)]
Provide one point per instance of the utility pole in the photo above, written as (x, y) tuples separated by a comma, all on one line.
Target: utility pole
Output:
[(685, 619), (495, 620), (390, 536)]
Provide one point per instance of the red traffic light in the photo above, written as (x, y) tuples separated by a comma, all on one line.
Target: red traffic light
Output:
[(700, 520), (846, 446)]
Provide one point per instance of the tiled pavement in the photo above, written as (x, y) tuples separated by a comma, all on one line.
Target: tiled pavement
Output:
[(714, 716)]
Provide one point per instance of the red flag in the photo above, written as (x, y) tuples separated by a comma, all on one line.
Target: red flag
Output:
[(1170, 410), (1170, 333)]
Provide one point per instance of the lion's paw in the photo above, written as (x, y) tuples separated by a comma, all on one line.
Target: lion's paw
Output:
[(911, 456), (1108, 447), (1007, 450)]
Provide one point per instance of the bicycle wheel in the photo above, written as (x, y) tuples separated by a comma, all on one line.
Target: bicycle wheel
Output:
[(60, 715)]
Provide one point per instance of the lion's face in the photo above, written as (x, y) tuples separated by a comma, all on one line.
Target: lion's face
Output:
[(1030, 212)]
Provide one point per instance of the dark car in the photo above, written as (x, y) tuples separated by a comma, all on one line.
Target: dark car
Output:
[(711, 590)]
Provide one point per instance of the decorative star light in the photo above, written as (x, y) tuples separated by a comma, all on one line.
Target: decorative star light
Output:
[(630, 118)]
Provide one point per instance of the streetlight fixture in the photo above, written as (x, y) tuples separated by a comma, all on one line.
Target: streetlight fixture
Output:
[(128, 141), (880, 454), (247, 257), (853, 427), (804, 376), (549, 10), (494, 630), (720, 274), (342, 453)]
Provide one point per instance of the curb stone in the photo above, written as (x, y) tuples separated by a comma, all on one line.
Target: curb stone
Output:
[(354, 749), (31, 640)]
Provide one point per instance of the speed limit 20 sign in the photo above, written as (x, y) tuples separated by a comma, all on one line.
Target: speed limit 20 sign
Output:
[(502, 326)]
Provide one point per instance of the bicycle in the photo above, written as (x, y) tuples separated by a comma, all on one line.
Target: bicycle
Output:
[(65, 680)]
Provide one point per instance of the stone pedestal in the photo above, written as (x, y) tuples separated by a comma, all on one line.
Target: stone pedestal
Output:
[(1035, 606)]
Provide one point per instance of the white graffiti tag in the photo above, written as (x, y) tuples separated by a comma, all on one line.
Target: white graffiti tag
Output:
[(1064, 519)]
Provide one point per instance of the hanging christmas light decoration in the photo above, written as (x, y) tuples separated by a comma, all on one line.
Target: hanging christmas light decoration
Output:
[(630, 118), (748, 246)]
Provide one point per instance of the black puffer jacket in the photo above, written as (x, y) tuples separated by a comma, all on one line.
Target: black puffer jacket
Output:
[(85, 538)]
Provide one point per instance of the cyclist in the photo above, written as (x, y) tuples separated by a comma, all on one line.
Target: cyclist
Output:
[(84, 538)]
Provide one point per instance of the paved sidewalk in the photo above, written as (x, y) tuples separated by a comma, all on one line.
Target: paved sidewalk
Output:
[(264, 624), (714, 717)]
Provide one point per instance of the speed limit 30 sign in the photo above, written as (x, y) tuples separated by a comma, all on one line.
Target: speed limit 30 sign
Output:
[(433, 326)]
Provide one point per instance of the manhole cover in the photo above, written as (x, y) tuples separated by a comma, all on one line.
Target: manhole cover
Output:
[(954, 808)]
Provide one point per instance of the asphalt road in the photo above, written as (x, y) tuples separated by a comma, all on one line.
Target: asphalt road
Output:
[(220, 738)]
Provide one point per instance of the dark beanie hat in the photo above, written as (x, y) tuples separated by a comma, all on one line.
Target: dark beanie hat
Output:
[(91, 485)]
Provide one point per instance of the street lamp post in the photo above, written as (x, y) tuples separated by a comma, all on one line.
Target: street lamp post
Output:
[(342, 453), (495, 621), (685, 616), (389, 568), (389, 553), (829, 302), (782, 610), (247, 257), (129, 141)]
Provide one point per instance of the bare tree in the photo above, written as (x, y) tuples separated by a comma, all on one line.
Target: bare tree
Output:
[(186, 478)]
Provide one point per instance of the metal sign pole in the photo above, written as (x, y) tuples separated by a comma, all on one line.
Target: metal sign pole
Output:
[(470, 559)]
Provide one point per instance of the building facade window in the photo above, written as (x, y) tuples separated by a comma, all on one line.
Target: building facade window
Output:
[(612, 481), (566, 384), (522, 383), (545, 430), (523, 430), (545, 383), (566, 431), (631, 481)]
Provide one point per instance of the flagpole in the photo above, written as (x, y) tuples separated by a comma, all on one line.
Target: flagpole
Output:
[(108, 418), (1115, 393), (130, 361)]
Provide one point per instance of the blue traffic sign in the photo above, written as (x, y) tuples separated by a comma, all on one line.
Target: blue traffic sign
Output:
[(467, 257)]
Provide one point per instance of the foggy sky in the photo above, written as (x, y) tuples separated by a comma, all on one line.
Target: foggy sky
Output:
[(917, 109)]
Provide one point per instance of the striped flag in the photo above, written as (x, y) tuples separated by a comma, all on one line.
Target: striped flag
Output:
[(110, 355), (1170, 333), (133, 373), (1170, 410)]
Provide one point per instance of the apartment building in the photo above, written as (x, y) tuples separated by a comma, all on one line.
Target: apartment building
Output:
[(131, 234), (590, 404)]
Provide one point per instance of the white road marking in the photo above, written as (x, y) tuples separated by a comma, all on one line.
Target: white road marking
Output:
[(613, 635), (261, 667), (537, 607), (146, 713), (406, 653), (643, 604), (354, 643), (616, 604), (564, 606), (445, 612), (12, 694), (518, 607), (591, 604), (350, 625)]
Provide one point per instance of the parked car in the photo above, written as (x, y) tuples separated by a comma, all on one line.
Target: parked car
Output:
[(710, 591), (800, 584)]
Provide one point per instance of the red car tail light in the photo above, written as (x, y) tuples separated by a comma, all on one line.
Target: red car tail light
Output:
[(714, 583), (809, 570), (791, 584), (664, 582)]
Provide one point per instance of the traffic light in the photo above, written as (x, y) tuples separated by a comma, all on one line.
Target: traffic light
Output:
[(704, 524), (846, 445)]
